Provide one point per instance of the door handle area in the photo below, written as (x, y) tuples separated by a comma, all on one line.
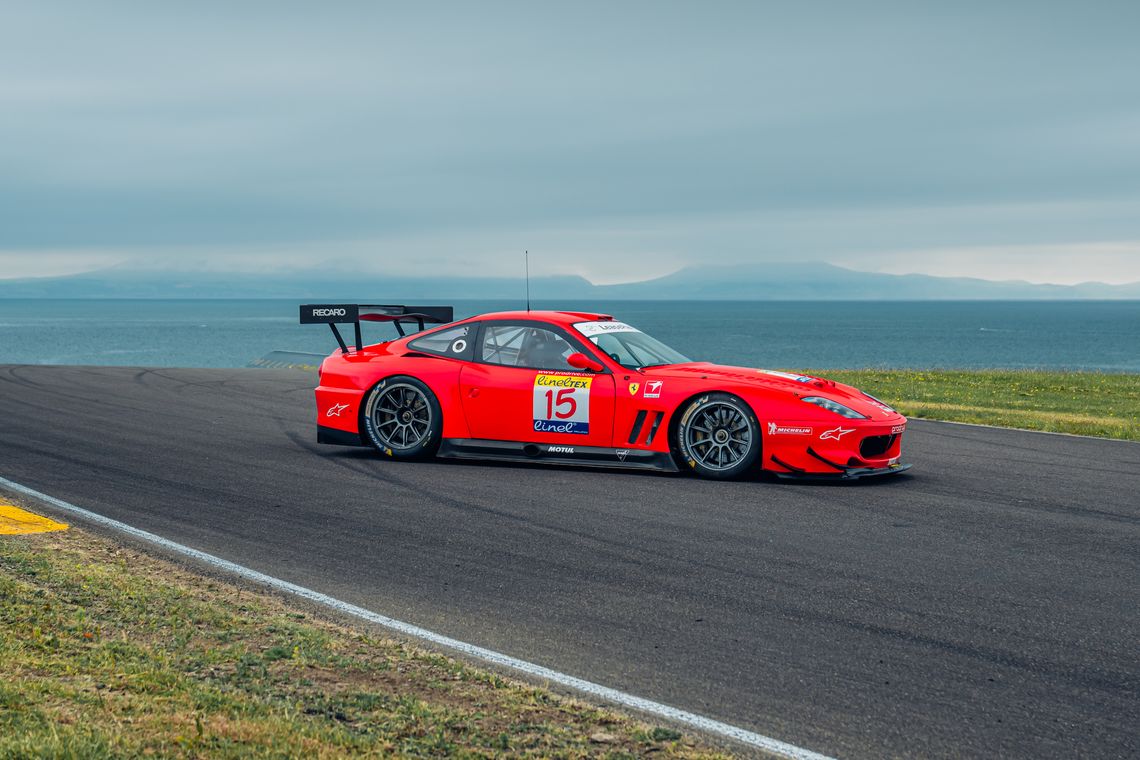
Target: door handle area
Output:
[(472, 393)]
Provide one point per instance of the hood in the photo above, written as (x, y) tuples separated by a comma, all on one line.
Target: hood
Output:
[(800, 385)]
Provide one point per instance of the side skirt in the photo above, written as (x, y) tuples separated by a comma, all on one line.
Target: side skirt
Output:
[(543, 453)]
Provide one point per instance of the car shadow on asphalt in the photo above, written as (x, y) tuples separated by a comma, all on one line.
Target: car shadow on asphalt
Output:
[(765, 478)]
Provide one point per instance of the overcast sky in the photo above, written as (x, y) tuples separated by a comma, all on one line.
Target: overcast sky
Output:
[(616, 140)]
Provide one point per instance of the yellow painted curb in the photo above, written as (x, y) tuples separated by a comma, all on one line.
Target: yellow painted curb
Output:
[(17, 522)]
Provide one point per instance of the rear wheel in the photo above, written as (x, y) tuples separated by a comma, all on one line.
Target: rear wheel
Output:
[(718, 436), (403, 419)]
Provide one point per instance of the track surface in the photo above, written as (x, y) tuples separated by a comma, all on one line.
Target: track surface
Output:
[(986, 605)]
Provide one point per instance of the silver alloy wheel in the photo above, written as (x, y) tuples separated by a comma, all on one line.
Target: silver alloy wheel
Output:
[(719, 436), (401, 416)]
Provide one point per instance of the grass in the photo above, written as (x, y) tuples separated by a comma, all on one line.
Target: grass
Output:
[(1083, 403), (108, 652)]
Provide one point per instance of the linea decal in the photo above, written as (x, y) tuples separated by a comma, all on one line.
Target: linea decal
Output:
[(653, 388)]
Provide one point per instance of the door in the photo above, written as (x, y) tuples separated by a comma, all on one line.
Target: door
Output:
[(520, 388)]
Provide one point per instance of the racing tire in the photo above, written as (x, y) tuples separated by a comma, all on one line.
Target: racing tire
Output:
[(402, 418), (717, 437)]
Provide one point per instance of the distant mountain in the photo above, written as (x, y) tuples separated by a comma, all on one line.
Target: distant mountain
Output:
[(793, 281)]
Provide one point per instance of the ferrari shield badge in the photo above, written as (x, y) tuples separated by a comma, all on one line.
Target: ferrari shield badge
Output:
[(633, 388)]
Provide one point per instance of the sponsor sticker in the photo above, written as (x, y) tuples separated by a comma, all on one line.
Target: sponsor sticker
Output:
[(560, 449), (653, 389), (335, 410), (774, 429), (622, 454), (786, 375), (898, 429), (835, 435), (590, 329), (562, 404)]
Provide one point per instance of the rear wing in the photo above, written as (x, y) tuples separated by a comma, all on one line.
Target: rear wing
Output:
[(333, 314)]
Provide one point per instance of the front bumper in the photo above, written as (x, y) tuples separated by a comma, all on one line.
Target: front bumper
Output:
[(848, 473)]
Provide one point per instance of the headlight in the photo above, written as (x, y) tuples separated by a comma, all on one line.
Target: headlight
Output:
[(834, 406)]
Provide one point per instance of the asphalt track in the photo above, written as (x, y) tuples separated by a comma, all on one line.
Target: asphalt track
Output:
[(986, 605)]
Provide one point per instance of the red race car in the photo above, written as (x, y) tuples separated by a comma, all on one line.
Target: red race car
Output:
[(566, 387)]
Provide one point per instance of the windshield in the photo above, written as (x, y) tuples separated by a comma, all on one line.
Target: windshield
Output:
[(629, 346)]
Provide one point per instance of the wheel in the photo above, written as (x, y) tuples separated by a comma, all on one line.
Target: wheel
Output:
[(403, 419), (718, 436)]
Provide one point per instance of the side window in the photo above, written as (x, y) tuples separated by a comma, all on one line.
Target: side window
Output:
[(453, 342), (524, 346)]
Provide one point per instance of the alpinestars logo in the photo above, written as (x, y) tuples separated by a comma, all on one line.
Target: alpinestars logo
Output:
[(335, 410), (835, 435)]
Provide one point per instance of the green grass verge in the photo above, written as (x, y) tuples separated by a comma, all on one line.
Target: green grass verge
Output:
[(1083, 403), (107, 652)]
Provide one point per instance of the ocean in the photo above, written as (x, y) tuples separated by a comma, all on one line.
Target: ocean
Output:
[(1100, 336)]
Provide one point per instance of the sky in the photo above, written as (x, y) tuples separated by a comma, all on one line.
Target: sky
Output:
[(614, 140)]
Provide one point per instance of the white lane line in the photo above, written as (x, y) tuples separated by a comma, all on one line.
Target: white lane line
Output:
[(604, 693)]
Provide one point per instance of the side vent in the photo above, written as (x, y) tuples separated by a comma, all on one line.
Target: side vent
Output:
[(637, 423), (653, 428)]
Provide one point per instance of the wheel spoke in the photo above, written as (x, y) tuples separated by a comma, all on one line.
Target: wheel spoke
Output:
[(402, 416), (719, 420)]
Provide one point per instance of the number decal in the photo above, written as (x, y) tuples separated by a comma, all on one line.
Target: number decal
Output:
[(565, 398), (562, 404)]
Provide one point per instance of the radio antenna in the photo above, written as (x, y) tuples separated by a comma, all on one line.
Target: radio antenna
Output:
[(526, 260)]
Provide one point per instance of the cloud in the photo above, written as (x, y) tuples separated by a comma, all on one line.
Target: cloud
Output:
[(620, 138)]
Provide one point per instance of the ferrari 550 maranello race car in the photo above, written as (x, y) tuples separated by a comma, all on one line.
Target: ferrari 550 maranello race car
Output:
[(568, 387)]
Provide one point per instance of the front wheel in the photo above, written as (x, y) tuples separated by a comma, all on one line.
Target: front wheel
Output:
[(403, 419), (718, 436)]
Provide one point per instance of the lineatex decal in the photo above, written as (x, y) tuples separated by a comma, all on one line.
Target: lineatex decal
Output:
[(562, 404), (653, 389), (590, 329), (835, 435), (774, 429), (335, 410)]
